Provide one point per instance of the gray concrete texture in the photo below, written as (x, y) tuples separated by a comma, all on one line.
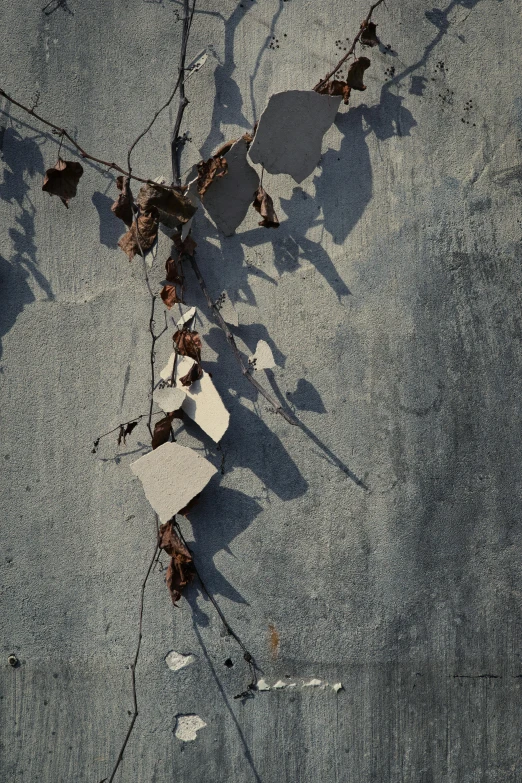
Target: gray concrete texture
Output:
[(390, 296)]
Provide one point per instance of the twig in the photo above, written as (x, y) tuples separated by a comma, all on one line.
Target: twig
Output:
[(63, 133), (155, 338), (175, 143), (230, 338), (133, 670), (351, 49)]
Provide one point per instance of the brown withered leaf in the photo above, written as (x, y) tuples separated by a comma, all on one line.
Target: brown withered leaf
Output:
[(356, 73), (141, 235), (188, 343), (62, 180), (173, 271), (186, 247), (193, 375), (162, 431), (265, 206), (209, 170), (336, 87), (170, 296), (171, 201), (122, 207), (125, 430), (369, 34), (181, 568)]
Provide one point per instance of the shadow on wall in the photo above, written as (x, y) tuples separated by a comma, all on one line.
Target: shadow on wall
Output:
[(22, 159)]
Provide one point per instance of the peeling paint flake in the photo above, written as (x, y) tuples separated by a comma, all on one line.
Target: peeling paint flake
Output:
[(263, 359), (202, 402), (169, 399), (338, 686), (228, 200), (313, 683), (187, 727), (176, 661), (171, 476), (278, 685), (187, 316), (290, 132), (262, 685)]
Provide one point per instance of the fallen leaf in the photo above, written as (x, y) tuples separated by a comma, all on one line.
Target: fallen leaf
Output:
[(180, 571), (188, 343), (125, 431), (369, 34), (290, 132), (193, 375), (170, 296), (265, 206), (210, 170), (202, 402), (173, 271), (62, 180), (122, 207), (172, 202), (162, 431), (263, 359), (141, 235), (229, 198), (356, 73), (336, 87), (172, 475), (184, 247)]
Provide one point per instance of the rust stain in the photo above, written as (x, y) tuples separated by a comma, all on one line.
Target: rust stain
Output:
[(274, 640)]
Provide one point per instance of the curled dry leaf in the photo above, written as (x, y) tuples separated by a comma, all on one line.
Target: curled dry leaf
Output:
[(125, 430), (172, 202), (62, 180), (265, 206), (170, 296), (141, 235), (369, 34), (162, 431), (173, 271), (122, 207), (188, 343), (186, 246), (209, 170), (181, 568), (356, 73), (193, 375), (336, 87)]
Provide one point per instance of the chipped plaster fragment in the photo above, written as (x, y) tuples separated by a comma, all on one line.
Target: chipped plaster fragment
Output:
[(227, 309), (202, 402), (312, 684), (187, 316), (263, 359), (290, 132), (262, 685), (228, 200), (187, 727), (338, 686), (278, 685), (171, 476), (169, 399), (176, 661)]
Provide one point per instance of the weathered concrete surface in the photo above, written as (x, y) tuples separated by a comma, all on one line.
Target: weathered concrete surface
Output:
[(390, 297)]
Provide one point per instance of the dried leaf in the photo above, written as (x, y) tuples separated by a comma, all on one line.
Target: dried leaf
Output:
[(141, 235), (122, 207), (188, 343), (336, 87), (62, 180), (172, 202), (209, 170), (265, 206), (170, 296), (173, 271), (162, 431), (126, 430), (369, 34), (356, 73), (181, 568), (193, 375)]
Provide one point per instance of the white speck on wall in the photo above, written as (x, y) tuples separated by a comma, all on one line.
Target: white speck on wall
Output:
[(187, 727), (279, 684), (338, 686), (176, 661), (312, 684), (262, 685)]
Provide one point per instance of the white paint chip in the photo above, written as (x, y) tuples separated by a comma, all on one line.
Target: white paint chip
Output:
[(312, 684), (227, 309), (176, 661), (187, 727), (187, 316), (171, 476), (263, 359), (278, 685), (228, 198), (202, 402), (169, 399), (338, 686), (290, 132), (262, 685)]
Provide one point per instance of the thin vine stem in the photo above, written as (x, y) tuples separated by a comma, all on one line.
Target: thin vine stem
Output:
[(176, 143)]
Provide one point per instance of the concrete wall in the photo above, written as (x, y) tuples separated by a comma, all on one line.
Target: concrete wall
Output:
[(391, 298)]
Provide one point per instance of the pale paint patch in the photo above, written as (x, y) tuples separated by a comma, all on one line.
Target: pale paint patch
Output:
[(263, 685), (279, 684), (171, 476), (169, 399), (187, 316), (187, 727), (228, 198), (176, 661), (313, 683), (202, 402), (263, 359), (290, 132), (338, 686)]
